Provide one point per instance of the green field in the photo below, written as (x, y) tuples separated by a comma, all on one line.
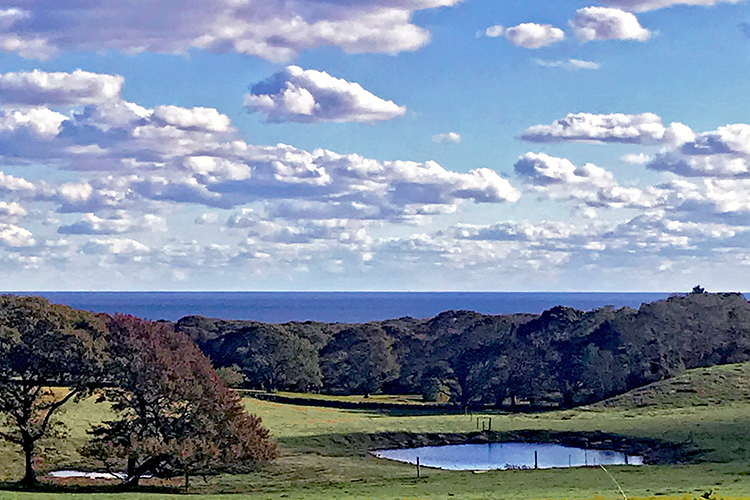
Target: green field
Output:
[(324, 449)]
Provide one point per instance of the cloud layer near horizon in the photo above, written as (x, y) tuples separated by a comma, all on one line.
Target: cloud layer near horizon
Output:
[(125, 171)]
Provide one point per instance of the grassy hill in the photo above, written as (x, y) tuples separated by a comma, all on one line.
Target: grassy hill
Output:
[(716, 385)]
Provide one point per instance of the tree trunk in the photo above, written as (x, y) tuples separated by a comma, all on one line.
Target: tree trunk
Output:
[(29, 478), (568, 401), (133, 478)]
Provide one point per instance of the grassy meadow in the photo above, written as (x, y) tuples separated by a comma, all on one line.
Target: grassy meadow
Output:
[(324, 450)]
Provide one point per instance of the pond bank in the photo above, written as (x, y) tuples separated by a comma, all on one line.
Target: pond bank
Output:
[(653, 451)]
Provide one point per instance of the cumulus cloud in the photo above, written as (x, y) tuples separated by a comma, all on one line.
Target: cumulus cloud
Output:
[(11, 212), (123, 223), (636, 158), (116, 247), (310, 96), (207, 218), (515, 231), (603, 23), (534, 36), (276, 30), (722, 200), (559, 178), (9, 183), (645, 128), (38, 121), (568, 64), (348, 232), (39, 88), (449, 138), (16, 237), (723, 153), (206, 119), (495, 31), (647, 5)]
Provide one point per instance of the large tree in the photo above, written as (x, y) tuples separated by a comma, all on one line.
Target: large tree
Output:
[(49, 355), (359, 360), (270, 357), (175, 415)]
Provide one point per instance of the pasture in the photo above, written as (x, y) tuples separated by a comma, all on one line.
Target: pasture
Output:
[(324, 450)]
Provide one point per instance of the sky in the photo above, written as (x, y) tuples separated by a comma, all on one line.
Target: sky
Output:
[(354, 145)]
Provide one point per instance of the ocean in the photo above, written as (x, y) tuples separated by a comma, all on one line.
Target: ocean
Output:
[(343, 307)]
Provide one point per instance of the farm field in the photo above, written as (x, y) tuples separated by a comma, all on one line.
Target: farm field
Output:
[(324, 450)]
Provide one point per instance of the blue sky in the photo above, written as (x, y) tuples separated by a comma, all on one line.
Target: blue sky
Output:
[(375, 145)]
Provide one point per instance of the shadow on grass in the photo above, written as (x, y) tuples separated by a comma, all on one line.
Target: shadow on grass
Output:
[(92, 487)]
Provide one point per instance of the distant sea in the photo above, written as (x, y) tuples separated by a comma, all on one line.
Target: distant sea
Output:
[(343, 307)]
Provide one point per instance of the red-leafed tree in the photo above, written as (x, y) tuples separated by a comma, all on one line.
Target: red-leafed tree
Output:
[(49, 355), (176, 417)]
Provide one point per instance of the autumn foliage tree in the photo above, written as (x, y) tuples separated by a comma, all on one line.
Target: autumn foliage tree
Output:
[(49, 355), (175, 415)]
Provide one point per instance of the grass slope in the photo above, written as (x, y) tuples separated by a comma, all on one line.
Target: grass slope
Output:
[(715, 385)]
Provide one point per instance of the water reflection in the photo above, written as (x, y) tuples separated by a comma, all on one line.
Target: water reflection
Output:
[(507, 456)]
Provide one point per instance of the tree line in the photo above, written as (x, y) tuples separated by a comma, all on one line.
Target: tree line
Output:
[(173, 414), (560, 358)]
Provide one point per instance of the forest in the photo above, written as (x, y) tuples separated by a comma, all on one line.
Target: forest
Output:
[(561, 358)]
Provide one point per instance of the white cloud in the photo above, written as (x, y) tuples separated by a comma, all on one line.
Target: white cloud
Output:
[(115, 246), (343, 231), (311, 96), (645, 128), (9, 183), (120, 224), (603, 23), (206, 119), (568, 64), (40, 121), (636, 158), (11, 212), (16, 237), (449, 138), (275, 30), (647, 5), (534, 36), (559, 178), (207, 218), (37, 88), (723, 153), (495, 31), (516, 231)]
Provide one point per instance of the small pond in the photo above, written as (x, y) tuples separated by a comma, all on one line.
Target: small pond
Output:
[(493, 456), (64, 474)]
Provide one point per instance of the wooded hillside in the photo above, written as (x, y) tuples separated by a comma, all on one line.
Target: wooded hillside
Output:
[(562, 357)]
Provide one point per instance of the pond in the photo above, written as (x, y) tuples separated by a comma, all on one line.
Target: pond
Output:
[(491, 456), (65, 474)]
